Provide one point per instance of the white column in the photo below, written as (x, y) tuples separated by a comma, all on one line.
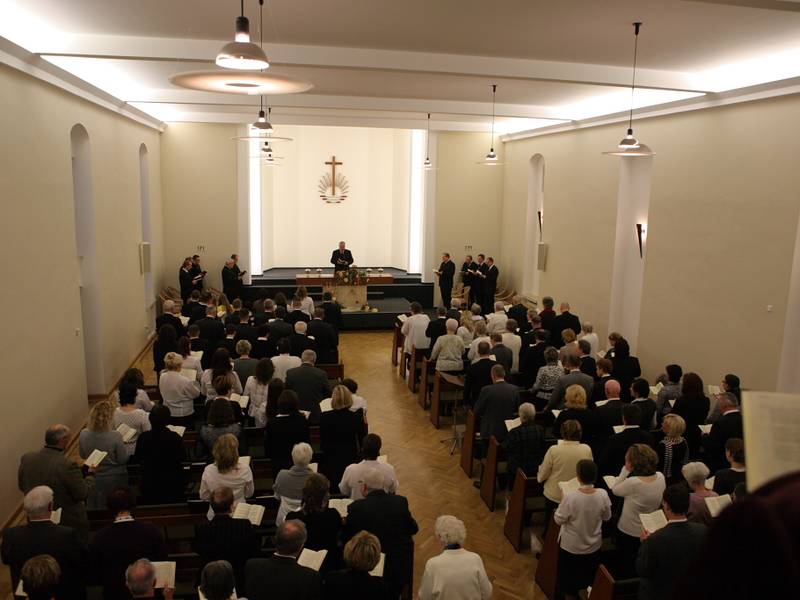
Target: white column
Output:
[(633, 205), (535, 207), (788, 369), (243, 185), (430, 256)]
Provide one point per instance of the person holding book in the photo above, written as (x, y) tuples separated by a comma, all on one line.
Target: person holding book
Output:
[(130, 416), (524, 446), (221, 366), (227, 470), (221, 420), (289, 483), (98, 435), (727, 426), (136, 378), (289, 427), (613, 457), (339, 432), (323, 524), (672, 449), (353, 477), (581, 514), (256, 388), (665, 555), (671, 391), (696, 475), (160, 454), (693, 405), (178, 392), (361, 555), (725, 480)]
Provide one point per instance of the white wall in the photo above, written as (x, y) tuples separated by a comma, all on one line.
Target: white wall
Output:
[(299, 229)]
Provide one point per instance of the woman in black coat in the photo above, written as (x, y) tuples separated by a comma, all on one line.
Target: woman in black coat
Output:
[(693, 405), (161, 454), (340, 432), (323, 524), (626, 368), (167, 341), (289, 427)]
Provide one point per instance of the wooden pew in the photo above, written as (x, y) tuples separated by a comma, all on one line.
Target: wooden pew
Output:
[(414, 365), (490, 468), (468, 444), (397, 342), (443, 382), (547, 568), (424, 382), (334, 372), (524, 488), (606, 588)]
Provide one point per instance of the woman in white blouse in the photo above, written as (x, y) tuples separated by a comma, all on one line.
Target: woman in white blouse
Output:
[(306, 303), (466, 329), (178, 392), (221, 366), (227, 470), (257, 389), (127, 413), (480, 336), (136, 378), (189, 361), (456, 572), (642, 487)]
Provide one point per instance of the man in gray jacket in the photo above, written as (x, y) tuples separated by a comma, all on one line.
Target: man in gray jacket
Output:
[(572, 363)]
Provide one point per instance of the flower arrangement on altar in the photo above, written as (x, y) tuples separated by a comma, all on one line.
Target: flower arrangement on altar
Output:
[(352, 276)]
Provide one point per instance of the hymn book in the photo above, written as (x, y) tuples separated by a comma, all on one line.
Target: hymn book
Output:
[(340, 505), (378, 570), (55, 516), (705, 428), (601, 353), (714, 390), (313, 467), (252, 512), (512, 423), (569, 486), (654, 389), (312, 559), (600, 403), (242, 400), (198, 354), (716, 504), (326, 405), (672, 402), (610, 480), (190, 374), (383, 459), (184, 320), (619, 428), (165, 574), (179, 429), (95, 458), (127, 432), (710, 483), (771, 422), (305, 413), (402, 318), (244, 461), (555, 412), (653, 521)]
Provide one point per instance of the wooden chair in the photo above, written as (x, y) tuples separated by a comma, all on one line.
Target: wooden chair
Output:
[(606, 588), (468, 444), (490, 468), (443, 383), (397, 342), (524, 488), (547, 569)]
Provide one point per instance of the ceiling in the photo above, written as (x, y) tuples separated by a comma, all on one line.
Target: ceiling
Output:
[(381, 63)]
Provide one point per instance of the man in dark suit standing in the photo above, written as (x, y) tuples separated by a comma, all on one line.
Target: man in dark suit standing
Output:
[(565, 320), (614, 455), (41, 536), (438, 326), (231, 279), (211, 328), (299, 341), (490, 284), (169, 318), (446, 273), (280, 577), (387, 517), (342, 258), (310, 383), (606, 416), (278, 327), (728, 426), (519, 313), (226, 538), (547, 316), (198, 274), (478, 282), (479, 374), (588, 364), (496, 404), (333, 311), (468, 279), (246, 330), (502, 353), (185, 279), (604, 368), (531, 357), (325, 337), (665, 556)]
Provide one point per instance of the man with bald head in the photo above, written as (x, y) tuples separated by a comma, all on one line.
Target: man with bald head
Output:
[(232, 278), (565, 320), (607, 414), (50, 467), (169, 316)]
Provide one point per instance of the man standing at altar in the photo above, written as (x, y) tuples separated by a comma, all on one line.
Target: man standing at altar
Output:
[(342, 258), (490, 281), (467, 278), (446, 272)]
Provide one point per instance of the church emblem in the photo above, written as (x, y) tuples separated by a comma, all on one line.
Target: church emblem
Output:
[(333, 187)]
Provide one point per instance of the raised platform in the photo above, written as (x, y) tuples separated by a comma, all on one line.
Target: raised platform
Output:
[(388, 309)]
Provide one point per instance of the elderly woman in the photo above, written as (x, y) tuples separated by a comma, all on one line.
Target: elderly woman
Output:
[(696, 474), (136, 378), (340, 431), (570, 344), (220, 420), (227, 471), (672, 449), (178, 392), (221, 366), (98, 435), (323, 524), (456, 572), (361, 555), (289, 483), (466, 328), (587, 333), (477, 312), (481, 335), (576, 408), (257, 389), (449, 350), (642, 486), (524, 445), (548, 375), (130, 416)]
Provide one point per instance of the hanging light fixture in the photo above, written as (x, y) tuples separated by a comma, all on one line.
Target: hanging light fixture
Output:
[(629, 145), (267, 155), (491, 157), (242, 54), (428, 164), (263, 124)]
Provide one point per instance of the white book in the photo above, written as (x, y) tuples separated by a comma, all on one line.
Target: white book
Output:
[(402, 318), (340, 504), (560, 442), (313, 467), (312, 558), (601, 403), (165, 574), (653, 521), (378, 570), (610, 480), (383, 459), (710, 483), (244, 461), (55, 516), (95, 458), (179, 429), (493, 357), (242, 400), (705, 428), (326, 405), (716, 504), (20, 591), (512, 423), (198, 354), (569, 486), (507, 307), (305, 413), (555, 412), (184, 320), (619, 428), (672, 402), (601, 353), (771, 422), (190, 374), (654, 389), (714, 390), (252, 512), (127, 432)]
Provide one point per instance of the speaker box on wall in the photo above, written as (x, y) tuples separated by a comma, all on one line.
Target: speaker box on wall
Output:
[(541, 261), (144, 257)]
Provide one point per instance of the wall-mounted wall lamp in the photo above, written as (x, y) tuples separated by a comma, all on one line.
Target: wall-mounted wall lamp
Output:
[(641, 234), (539, 215)]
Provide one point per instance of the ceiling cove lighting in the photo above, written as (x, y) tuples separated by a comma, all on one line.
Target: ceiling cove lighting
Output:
[(629, 145), (491, 157), (242, 54)]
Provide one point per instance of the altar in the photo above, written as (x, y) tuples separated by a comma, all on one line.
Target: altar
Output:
[(352, 295)]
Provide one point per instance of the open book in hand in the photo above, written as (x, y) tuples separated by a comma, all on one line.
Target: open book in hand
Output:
[(190, 374), (165, 574), (340, 505), (653, 521), (184, 320), (610, 480), (710, 483), (378, 570), (705, 428), (618, 428), (305, 413), (242, 400), (384, 459), (569, 486), (55, 516), (179, 429), (127, 432), (402, 318), (714, 390), (512, 423), (555, 412), (244, 461), (654, 389), (600, 403), (313, 467), (95, 458), (716, 504), (252, 512), (198, 354), (326, 405), (312, 559)]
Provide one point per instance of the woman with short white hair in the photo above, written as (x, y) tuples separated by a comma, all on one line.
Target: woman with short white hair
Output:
[(455, 573), (288, 487), (696, 474), (178, 392), (448, 351)]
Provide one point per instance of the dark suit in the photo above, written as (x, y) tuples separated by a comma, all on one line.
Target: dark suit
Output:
[(226, 538), (170, 319), (248, 332), (520, 314), (548, 316), (201, 345), (617, 446), (566, 320), (531, 359), (346, 256), (312, 387), (479, 287), (479, 375), (664, 558), (44, 537), (355, 585), (340, 433), (490, 286), (563, 383), (212, 330), (282, 433), (468, 280), (387, 517), (447, 271), (728, 426), (279, 329), (326, 339), (297, 315), (436, 329), (231, 284), (50, 467), (281, 578), (298, 343), (496, 403), (185, 280), (453, 313), (599, 390), (198, 312), (589, 366), (625, 371), (333, 314), (188, 307), (605, 417), (197, 270), (694, 411), (160, 454)]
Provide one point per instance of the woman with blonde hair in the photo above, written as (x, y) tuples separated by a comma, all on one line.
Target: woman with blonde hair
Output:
[(672, 449), (481, 335), (306, 303), (466, 328), (227, 471), (224, 307), (576, 408), (340, 431), (98, 435), (361, 554)]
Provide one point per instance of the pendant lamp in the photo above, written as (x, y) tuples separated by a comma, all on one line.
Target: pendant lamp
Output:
[(242, 54), (428, 164), (491, 159)]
